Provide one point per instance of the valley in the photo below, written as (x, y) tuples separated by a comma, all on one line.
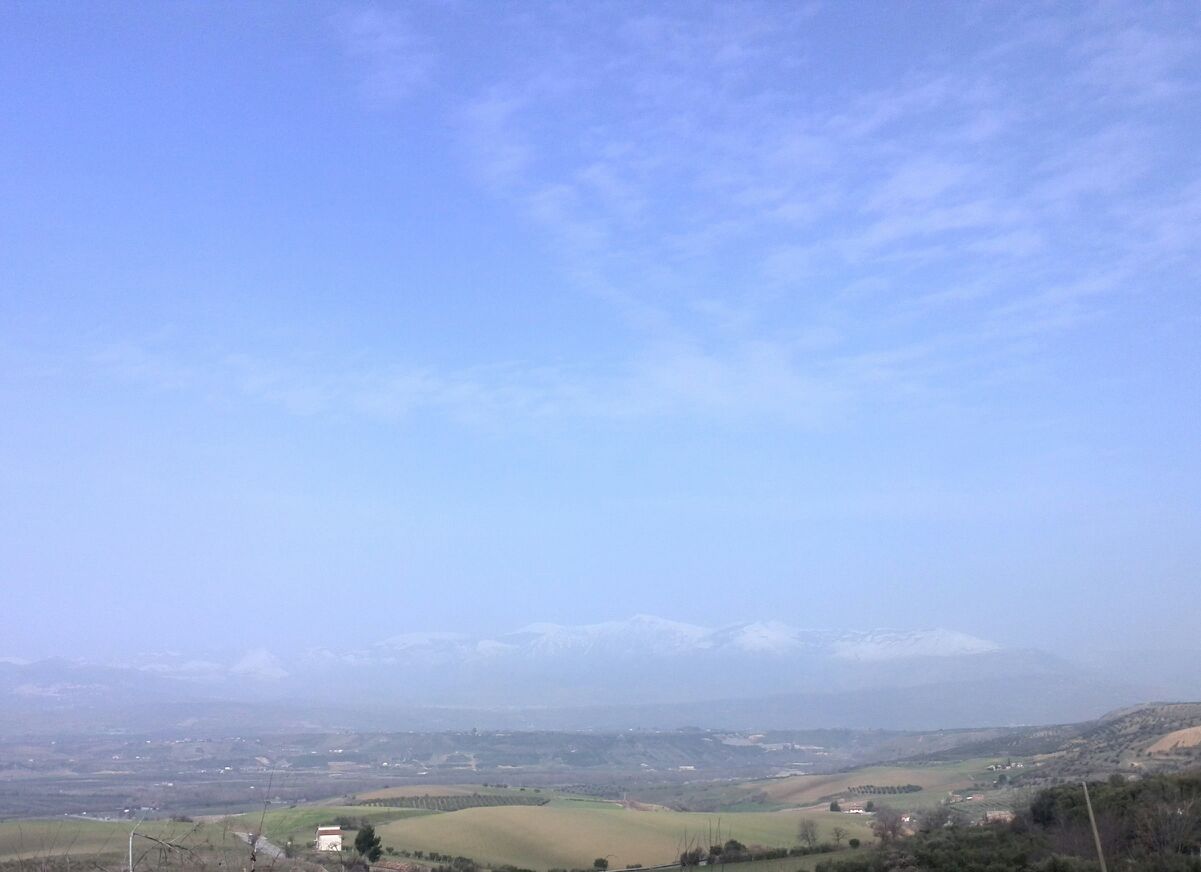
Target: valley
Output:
[(543, 801)]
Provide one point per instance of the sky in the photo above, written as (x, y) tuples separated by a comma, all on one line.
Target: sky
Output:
[(327, 322)]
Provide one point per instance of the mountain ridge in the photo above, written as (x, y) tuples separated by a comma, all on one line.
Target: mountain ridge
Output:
[(666, 637)]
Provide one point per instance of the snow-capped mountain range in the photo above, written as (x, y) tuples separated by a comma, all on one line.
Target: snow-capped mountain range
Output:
[(647, 635), (648, 659), (640, 671)]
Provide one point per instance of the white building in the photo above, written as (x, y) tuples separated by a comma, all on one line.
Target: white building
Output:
[(329, 838)]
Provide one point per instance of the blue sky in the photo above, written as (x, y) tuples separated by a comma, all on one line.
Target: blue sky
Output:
[(469, 315)]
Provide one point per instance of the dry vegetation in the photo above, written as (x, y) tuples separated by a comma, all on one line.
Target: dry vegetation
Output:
[(566, 836)]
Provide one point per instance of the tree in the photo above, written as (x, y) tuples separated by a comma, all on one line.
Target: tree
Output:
[(869, 806), (367, 843), (854, 843), (887, 825), (807, 832), (692, 857), (834, 806), (600, 863), (839, 834), (934, 819), (1167, 827)]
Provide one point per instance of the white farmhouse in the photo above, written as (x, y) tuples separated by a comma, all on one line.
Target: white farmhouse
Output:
[(329, 838)]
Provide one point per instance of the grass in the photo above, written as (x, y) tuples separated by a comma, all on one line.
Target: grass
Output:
[(72, 836), (452, 791), (936, 780), (560, 835), (49, 838), (567, 833), (802, 791), (435, 790), (300, 823), (785, 864)]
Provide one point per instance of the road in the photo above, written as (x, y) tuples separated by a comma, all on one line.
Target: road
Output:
[(262, 847)]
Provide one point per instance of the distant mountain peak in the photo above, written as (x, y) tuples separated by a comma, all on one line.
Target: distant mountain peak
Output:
[(766, 636), (655, 671), (649, 635), (895, 644)]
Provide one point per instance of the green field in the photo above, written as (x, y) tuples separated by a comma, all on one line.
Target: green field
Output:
[(569, 835), (59, 837), (300, 823), (77, 838), (443, 790)]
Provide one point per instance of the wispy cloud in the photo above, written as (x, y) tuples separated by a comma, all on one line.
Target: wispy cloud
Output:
[(681, 167), (392, 60), (994, 184), (751, 380)]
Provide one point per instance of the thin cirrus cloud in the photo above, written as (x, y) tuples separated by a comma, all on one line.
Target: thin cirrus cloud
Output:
[(393, 60), (756, 379), (671, 161), (912, 174), (590, 304)]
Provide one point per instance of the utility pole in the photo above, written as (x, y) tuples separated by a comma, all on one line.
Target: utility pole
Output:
[(1093, 821), (132, 833)]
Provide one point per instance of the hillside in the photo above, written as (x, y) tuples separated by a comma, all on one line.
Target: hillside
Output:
[(1162, 737), (1136, 740)]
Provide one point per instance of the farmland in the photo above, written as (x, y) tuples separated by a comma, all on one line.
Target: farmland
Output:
[(22, 840), (299, 823), (602, 804), (570, 835), (541, 827), (916, 785), (935, 781), (564, 833), (456, 802)]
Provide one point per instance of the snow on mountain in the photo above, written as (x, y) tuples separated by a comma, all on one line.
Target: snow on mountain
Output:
[(644, 633), (423, 641), (763, 637), (800, 676), (894, 645), (636, 659), (260, 664), (643, 636)]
